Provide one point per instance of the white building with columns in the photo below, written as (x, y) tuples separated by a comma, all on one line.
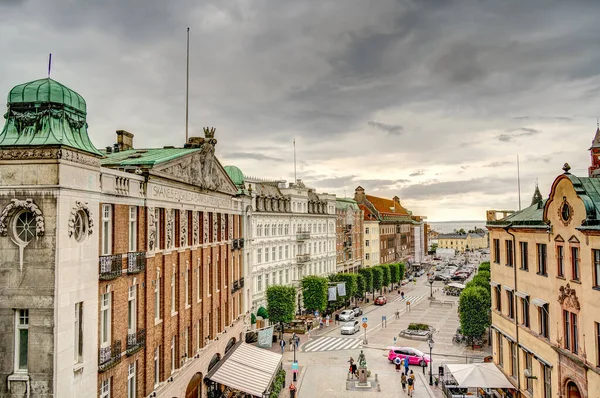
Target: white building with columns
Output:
[(291, 233)]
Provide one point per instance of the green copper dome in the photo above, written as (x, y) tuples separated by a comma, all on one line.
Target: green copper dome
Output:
[(48, 91), (235, 174)]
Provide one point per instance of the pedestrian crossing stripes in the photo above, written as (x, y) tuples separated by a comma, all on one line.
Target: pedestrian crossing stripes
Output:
[(412, 299), (331, 344)]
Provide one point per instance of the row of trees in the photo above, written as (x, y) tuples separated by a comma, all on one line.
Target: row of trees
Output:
[(475, 302), (281, 300)]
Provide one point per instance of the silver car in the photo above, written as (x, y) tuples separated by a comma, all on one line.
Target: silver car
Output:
[(347, 315), (350, 327)]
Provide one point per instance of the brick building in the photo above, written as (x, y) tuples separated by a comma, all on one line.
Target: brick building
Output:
[(125, 266), (349, 235)]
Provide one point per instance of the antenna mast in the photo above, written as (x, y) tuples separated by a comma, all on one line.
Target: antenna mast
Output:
[(519, 182), (187, 85), (49, 64)]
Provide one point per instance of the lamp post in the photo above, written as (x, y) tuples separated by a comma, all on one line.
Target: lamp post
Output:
[(431, 344), (431, 287)]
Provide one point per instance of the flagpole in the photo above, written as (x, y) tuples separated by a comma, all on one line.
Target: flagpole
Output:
[(519, 182), (187, 85), (295, 177), (49, 64)]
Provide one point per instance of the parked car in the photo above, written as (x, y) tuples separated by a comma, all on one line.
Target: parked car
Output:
[(357, 311), (350, 327), (347, 315), (381, 300), (415, 357)]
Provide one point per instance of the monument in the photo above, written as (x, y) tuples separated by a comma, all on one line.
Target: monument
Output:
[(362, 369)]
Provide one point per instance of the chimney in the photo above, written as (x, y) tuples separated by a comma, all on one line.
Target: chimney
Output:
[(124, 140), (359, 194), (396, 199), (116, 148), (109, 149)]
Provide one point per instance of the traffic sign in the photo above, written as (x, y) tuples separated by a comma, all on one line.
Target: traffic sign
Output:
[(295, 366), (364, 325), (364, 319), (383, 317)]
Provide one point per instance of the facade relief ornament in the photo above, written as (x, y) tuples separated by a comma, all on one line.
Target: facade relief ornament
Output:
[(215, 227), (14, 206), (565, 212), (183, 227), (151, 229), (205, 228), (48, 153), (230, 226), (196, 228), (568, 297), (223, 236), (170, 224), (80, 207)]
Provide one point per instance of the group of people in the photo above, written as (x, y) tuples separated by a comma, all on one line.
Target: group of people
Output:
[(294, 341), (406, 378)]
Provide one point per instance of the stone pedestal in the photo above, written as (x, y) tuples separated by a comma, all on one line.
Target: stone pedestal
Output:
[(362, 375)]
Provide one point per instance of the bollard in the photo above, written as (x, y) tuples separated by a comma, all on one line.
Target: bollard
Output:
[(375, 376)]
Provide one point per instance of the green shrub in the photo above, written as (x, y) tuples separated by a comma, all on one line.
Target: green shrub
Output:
[(418, 326)]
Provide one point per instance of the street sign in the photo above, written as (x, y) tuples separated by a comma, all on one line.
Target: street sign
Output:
[(364, 319), (295, 366), (383, 318), (395, 338), (364, 325)]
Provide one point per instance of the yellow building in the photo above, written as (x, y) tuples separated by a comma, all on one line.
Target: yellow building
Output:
[(462, 242), (545, 277)]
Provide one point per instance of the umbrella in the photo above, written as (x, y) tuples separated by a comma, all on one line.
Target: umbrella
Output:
[(482, 375)]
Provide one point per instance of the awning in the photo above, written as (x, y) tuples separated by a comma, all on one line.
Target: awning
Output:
[(521, 294), (456, 285), (538, 302), (510, 289), (248, 369), (479, 375), (492, 283)]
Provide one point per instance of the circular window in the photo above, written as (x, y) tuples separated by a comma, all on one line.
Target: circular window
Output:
[(80, 225), (565, 212), (24, 227)]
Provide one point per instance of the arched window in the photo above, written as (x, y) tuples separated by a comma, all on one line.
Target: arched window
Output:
[(230, 344), (214, 360)]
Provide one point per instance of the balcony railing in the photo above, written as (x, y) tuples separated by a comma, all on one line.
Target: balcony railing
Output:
[(302, 235), (110, 267), (136, 341), (241, 283), (109, 356), (237, 285), (241, 243), (303, 258), (136, 262), (236, 244)]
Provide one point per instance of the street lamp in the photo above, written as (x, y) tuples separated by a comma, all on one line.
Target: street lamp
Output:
[(431, 287), (431, 344)]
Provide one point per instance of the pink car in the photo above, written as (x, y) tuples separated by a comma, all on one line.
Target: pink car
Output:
[(415, 357)]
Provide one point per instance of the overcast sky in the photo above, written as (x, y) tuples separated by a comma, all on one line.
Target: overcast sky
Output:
[(428, 100)]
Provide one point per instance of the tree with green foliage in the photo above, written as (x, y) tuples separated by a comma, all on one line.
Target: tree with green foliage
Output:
[(377, 278), (485, 266), (402, 272), (314, 292), (385, 277), (351, 287), (360, 286), (484, 274), (394, 269), (367, 273), (281, 304), (474, 305)]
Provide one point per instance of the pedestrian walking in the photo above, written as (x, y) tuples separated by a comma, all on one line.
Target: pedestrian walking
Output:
[(291, 343), (292, 390), (397, 363), (296, 341), (397, 314), (411, 386), (282, 345), (403, 382), (423, 365), (352, 369), (412, 377), (406, 366), (327, 320), (402, 295)]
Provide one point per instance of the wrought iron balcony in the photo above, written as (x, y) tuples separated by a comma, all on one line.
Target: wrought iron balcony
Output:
[(303, 258), (235, 286), (110, 267), (302, 235), (241, 243), (136, 262), (136, 341), (241, 281), (109, 356), (236, 244)]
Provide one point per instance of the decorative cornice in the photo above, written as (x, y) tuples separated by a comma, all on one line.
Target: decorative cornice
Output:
[(42, 153)]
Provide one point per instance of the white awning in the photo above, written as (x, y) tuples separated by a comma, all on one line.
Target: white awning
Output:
[(538, 302), (521, 294), (510, 289), (248, 369), (479, 375), (494, 283), (457, 285)]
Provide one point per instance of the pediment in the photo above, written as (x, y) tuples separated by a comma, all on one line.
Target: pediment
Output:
[(559, 238), (201, 169), (573, 239)]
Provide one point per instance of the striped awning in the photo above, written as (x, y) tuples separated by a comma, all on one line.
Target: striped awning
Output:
[(248, 369)]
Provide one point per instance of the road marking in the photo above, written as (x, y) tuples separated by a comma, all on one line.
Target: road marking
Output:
[(407, 298), (331, 344), (391, 318)]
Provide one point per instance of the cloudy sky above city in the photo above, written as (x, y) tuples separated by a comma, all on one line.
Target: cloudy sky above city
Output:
[(428, 100)]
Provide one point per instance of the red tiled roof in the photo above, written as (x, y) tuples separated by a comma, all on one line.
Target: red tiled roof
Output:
[(369, 216), (387, 206)]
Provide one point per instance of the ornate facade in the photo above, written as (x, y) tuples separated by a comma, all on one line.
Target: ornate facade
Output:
[(349, 235)]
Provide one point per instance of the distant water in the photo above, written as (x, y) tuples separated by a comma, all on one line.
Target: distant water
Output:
[(446, 227)]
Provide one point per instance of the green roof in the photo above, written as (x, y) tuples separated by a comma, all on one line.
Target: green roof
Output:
[(145, 157), (344, 203), (235, 174), (46, 90), (531, 216)]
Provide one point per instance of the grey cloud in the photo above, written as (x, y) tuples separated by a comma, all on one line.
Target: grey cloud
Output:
[(417, 173), (251, 155), (520, 132), (392, 129), (497, 164), (486, 186)]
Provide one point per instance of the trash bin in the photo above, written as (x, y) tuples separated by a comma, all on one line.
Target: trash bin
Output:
[(274, 339), (367, 300)]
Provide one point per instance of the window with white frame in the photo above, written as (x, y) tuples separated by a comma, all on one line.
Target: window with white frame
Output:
[(198, 282), (78, 329), (173, 357), (105, 321), (287, 229), (367, 243), (21, 340), (157, 297), (132, 228), (106, 229), (158, 230), (280, 252), (258, 256), (274, 278), (366, 256), (281, 277), (280, 229), (105, 388), (267, 255), (187, 283), (131, 381), (274, 230), (173, 291), (259, 283), (267, 229), (156, 366), (132, 310), (273, 253), (287, 251), (267, 280), (287, 276), (367, 230)]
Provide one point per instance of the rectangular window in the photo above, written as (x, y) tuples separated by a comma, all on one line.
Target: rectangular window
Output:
[(367, 230), (287, 252), (560, 263), (258, 256), (547, 374), (132, 310), (273, 252), (157, 299), (259, 283), (267, 281), (266, 255), (366, 256), (567, 329), (500, 347), (544, 321), (498, 298), (173, 356), (574, 334), (105, 315), (187, 284), (510, 295), (367, 243), (509, 252), (132, 228), (21, 340), (596, 259), (106, 230), (528, 366), (525, 312), (497, 251), (541, 259), (280, 252), (597, 328), (186, 353), (156, 366), (281, 277), (173, 290), (105, 389), (513, 359), (287, 276), (131, 384), (198, 282), (78, 343), (524, 254), (158, 230), (575, 263)]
